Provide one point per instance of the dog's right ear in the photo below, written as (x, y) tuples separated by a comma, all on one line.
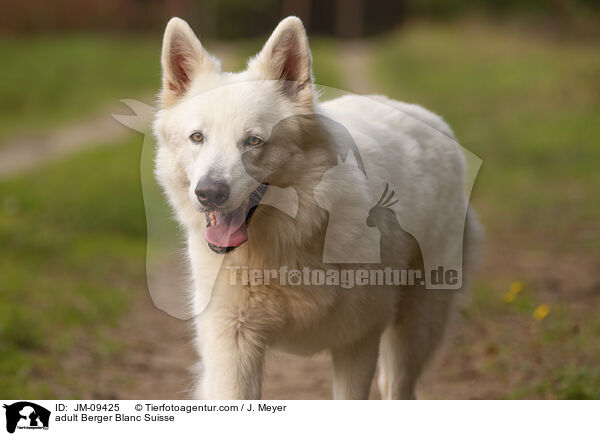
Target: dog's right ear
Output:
[(183, 58)]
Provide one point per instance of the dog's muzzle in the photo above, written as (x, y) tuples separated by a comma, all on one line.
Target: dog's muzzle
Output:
[(227, 230)]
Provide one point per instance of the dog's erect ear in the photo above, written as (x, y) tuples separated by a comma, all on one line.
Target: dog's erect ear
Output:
[(183, 58), (286, 57)]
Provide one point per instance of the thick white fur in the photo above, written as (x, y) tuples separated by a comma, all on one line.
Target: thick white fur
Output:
[(405, 142)]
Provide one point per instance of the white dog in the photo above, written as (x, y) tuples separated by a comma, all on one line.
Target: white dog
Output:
[(225, 139)]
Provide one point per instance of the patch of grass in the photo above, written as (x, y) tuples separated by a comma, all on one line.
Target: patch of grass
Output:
[(525, 304), (568, 383), (49, 80), (487, 300), (325, 64), (73, 243), (559, 326), (484, 298), (528, 107)]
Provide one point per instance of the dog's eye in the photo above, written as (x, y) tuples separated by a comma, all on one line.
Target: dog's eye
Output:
[(253, 141), (197, 137)]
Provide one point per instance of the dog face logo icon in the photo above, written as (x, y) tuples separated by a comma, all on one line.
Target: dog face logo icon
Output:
[(26, 415)]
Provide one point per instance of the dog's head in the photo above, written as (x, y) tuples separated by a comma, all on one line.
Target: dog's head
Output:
[(224, 137)]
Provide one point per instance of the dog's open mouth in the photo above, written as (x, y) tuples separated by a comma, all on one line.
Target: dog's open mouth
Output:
[(227, 230)]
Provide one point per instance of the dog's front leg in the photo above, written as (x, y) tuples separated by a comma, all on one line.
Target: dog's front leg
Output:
[(353, 368), (232, 365)]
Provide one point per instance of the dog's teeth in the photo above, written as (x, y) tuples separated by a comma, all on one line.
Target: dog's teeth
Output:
[(213, 219)]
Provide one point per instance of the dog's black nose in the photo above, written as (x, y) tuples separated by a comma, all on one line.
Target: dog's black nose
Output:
[(211, 192)]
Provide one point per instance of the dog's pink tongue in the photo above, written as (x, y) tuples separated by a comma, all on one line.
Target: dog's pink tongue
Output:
[(230, 231)]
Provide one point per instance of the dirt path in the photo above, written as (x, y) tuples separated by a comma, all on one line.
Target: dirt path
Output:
[(26, 152)]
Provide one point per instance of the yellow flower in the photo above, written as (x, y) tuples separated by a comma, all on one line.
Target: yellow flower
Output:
[(541, 312), (515, 287), (513, 291), (509, 297)]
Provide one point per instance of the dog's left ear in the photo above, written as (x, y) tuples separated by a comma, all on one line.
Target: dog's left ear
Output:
[(286, 57)]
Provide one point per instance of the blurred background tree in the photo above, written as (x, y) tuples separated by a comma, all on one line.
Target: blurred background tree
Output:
[(246, 18)]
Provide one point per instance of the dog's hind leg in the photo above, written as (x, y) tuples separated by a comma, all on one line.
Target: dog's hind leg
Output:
[(353, 368), (421, 320), (408, 343)]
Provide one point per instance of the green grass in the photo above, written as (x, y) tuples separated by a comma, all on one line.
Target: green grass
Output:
[(47, 80), (567, 383), (552, 358), (73, 243), (528, 107)]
